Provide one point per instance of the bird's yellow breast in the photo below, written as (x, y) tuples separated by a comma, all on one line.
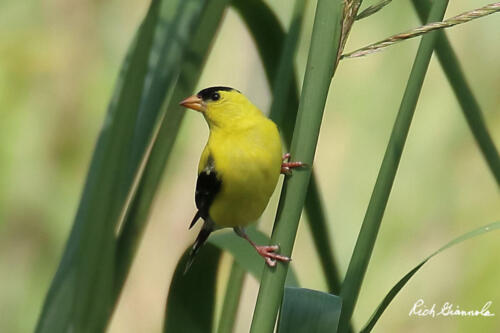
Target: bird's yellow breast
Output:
[(248, 163)]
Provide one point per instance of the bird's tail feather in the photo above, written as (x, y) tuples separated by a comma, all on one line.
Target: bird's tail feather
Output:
[(205, 231), (195, 219)]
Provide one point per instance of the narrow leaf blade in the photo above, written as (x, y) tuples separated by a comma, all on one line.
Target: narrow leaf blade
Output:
[(191, 296), (192, 66), (401, 283), (59, 306)]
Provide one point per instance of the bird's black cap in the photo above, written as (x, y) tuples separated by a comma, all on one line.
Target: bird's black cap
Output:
[(207, 93)]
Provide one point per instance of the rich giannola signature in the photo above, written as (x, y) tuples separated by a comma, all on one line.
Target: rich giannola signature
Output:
[(447, 309)]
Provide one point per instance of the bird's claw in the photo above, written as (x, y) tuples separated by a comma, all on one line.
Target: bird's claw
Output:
[(286, 167), (269, 255), (286, 170)]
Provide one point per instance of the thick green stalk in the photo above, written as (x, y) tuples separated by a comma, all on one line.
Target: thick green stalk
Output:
[(231, 299), (320, 66), (283, 85), (282, 91), (470, 106), (380, 195), (284, 109), (285, 101)]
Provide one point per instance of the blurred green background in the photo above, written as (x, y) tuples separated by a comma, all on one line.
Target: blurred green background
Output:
[(59, 61)]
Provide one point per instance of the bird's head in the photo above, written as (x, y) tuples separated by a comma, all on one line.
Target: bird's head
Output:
[(222, 107)]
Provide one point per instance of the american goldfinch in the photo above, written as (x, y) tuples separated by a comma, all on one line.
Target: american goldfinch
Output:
[(239, 167)]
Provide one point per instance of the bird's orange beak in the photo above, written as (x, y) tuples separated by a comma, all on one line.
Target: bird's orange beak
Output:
[(195, 103)]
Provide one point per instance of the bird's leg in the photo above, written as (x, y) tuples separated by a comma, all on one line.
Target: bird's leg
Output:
[(286, 167), (265, 251)]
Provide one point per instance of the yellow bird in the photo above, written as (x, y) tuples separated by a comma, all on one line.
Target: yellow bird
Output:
[(239, 167)]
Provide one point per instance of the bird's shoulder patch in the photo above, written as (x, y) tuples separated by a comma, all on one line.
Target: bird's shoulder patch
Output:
[(207, 187)]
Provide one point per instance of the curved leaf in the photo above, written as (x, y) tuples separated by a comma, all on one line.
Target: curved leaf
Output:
[(309, 311), (401, 283), (140, 206), (82, 296), (191, 296), (58, 310)]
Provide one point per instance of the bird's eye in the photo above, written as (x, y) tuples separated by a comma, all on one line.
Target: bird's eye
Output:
[(215, 96)]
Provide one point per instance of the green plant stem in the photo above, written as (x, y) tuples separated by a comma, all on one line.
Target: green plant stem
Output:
[(284, 109), (283, 89), (285, 101), (231, 299), (470, 106), (387, 173), (418, 31), (320, 66), (283, 86), (319, 228)]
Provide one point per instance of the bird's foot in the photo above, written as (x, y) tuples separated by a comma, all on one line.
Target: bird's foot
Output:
[(268, 253), (287, 167)]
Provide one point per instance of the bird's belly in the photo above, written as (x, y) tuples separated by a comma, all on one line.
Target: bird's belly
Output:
[(247, 185)]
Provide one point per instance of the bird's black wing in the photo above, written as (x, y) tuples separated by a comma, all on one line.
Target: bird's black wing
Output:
[(207, 187)]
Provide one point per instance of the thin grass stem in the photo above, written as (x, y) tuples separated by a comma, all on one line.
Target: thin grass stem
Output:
[(415, 32), (470, 107), (387, 173), (231, 299), (284, 109)]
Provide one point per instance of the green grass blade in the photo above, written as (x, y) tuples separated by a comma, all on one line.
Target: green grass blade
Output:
[(283, 84), (58, 310), (174, 27), (191, 296), (265, 29), (316, 217), (309, 311), (401, 283), (244, 255), (178, 22), (188, 300), (267, 32), (140, 205), (183, 290), (87, 268), (231, 299), (470, 106), (372, 9), (320, 66), (380, 195)]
